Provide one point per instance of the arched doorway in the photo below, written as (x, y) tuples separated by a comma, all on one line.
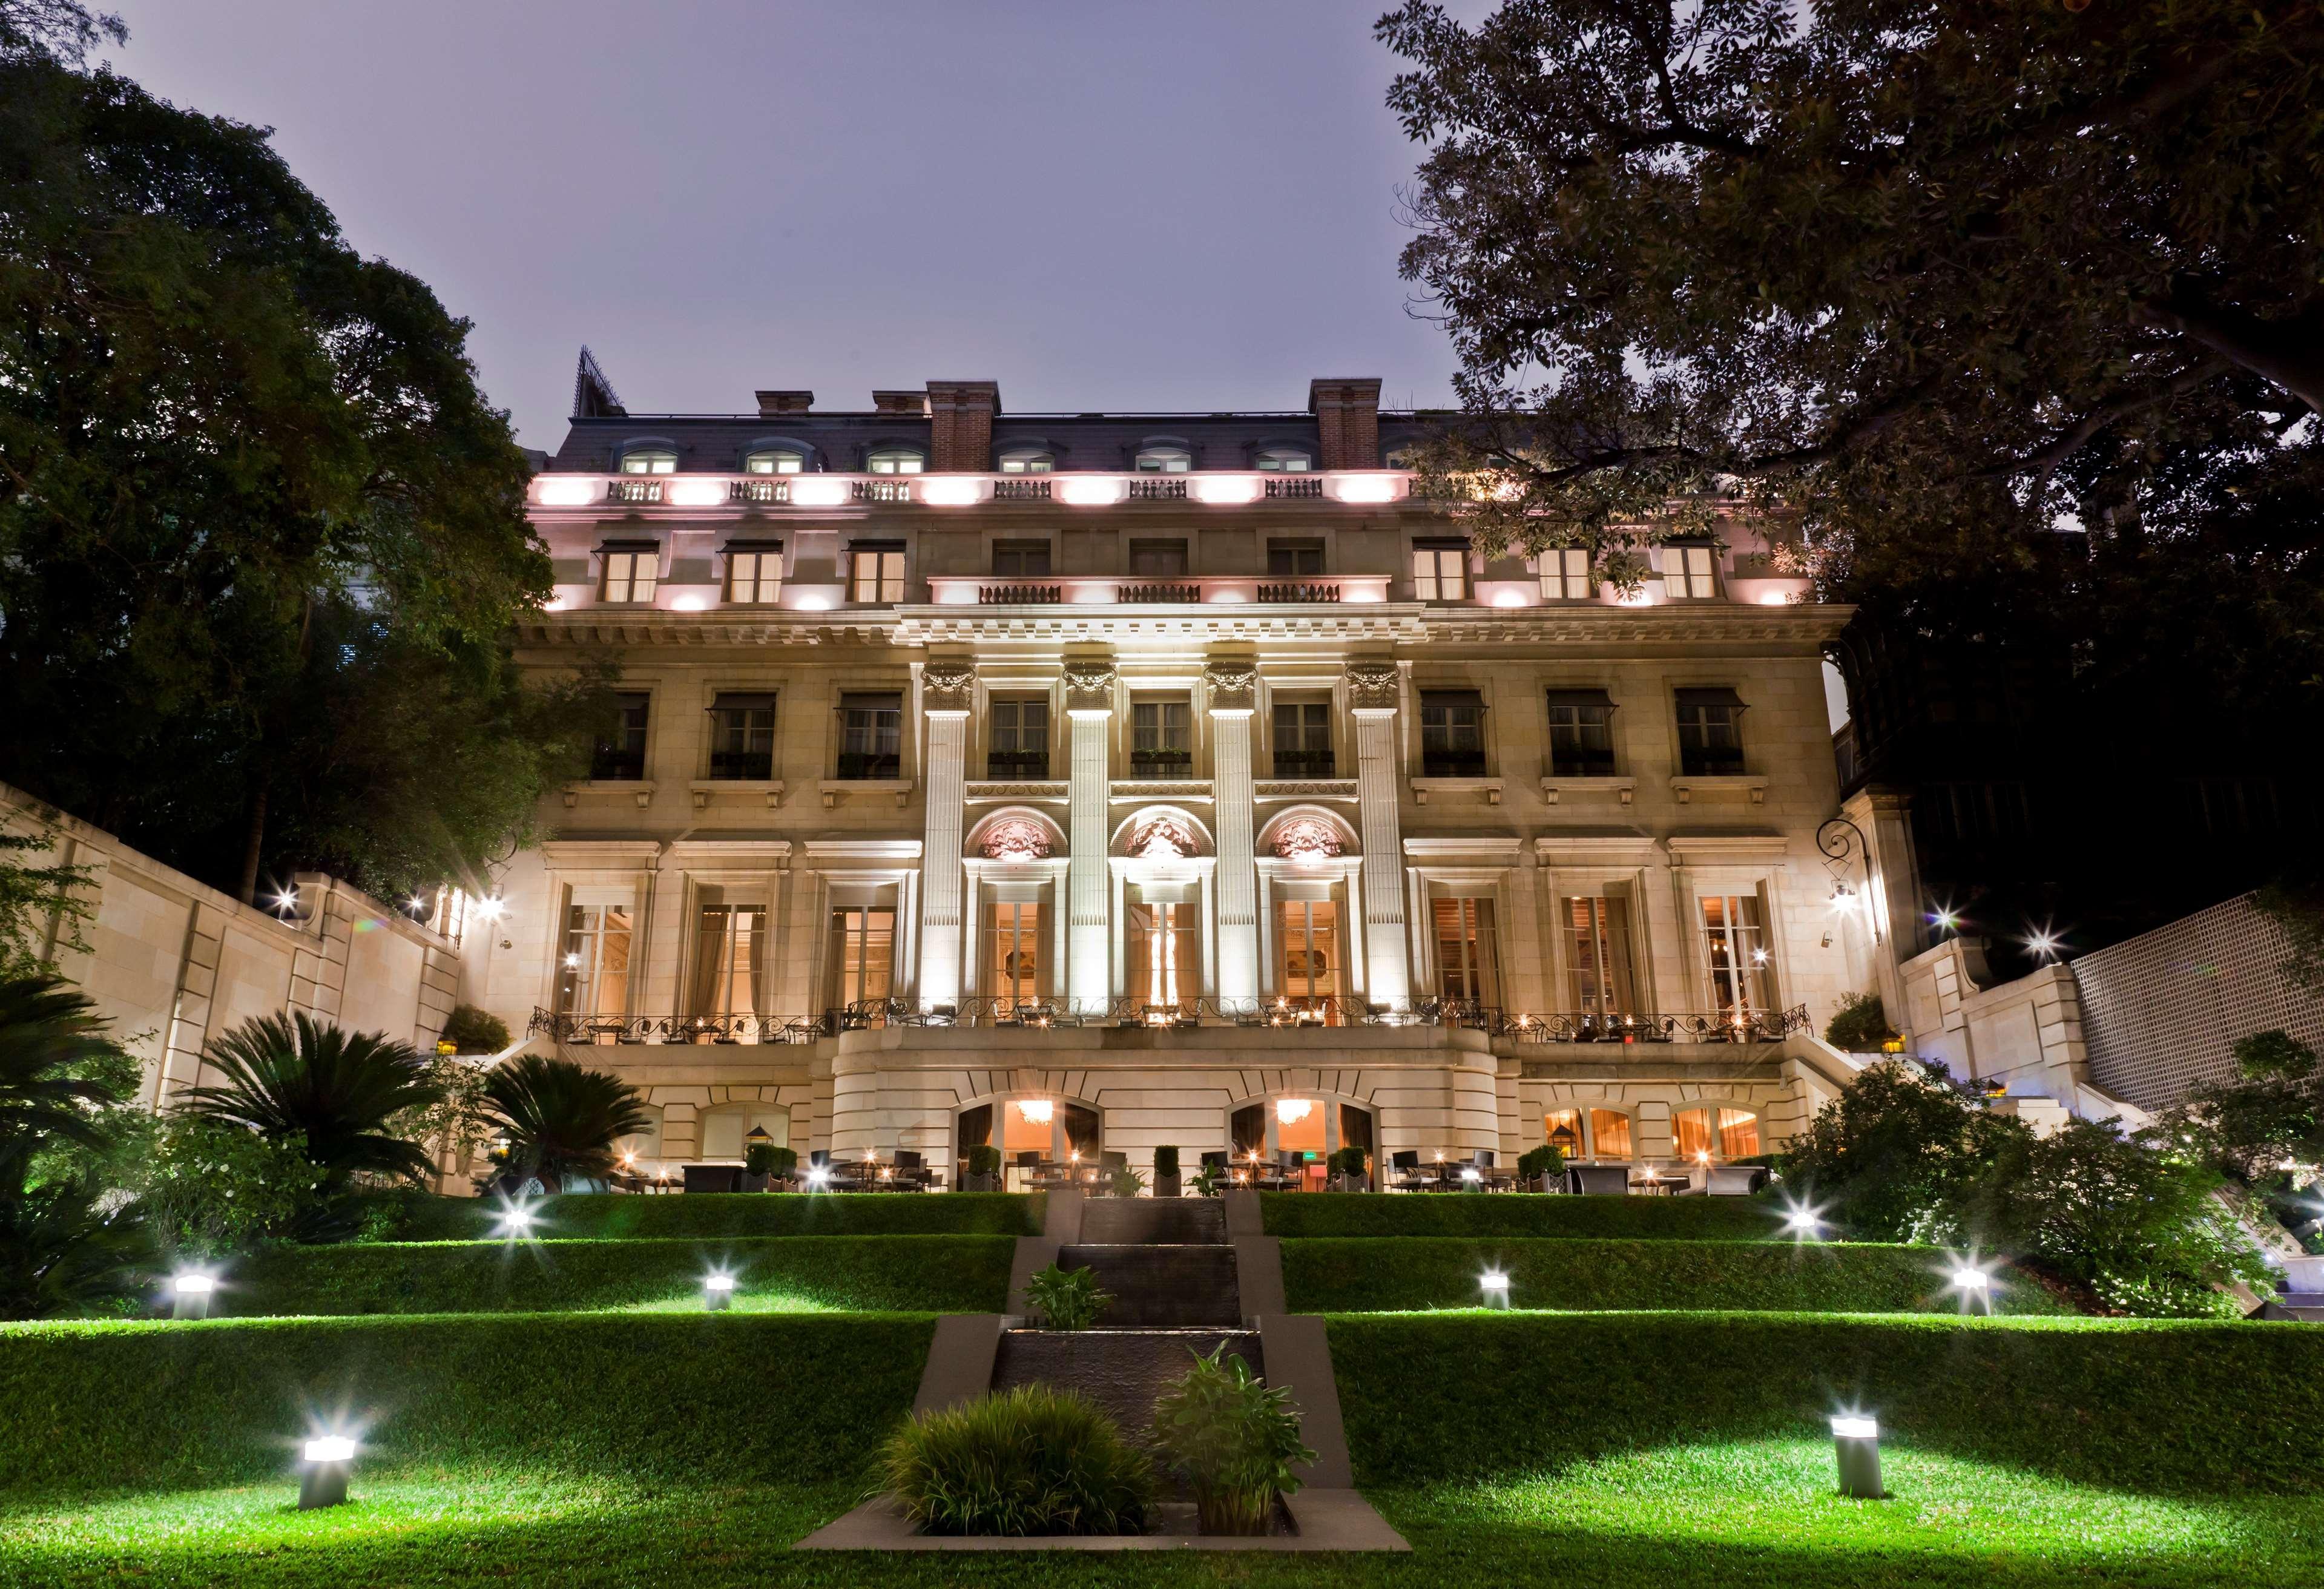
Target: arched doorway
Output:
[(1285, 1142), (1039, 1136)]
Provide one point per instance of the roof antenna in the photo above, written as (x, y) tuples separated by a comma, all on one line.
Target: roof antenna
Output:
[(593, 395)]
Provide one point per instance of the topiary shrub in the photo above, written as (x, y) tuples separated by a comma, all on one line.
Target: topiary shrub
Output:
[(1537, 1162), (767, 1158), (1234, 1438), (1165, 1161), (1860, 1026), (1347, 1161), (1025, 1461), (471, 1030)]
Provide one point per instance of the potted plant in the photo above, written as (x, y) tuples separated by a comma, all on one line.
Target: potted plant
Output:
[(1351, 1170), (764, 1163), (1126, 1182), (1166, 1172), (983, 1169), (1540, 1169), (1234, 1438), (1206, 1180), (1067, 1298)]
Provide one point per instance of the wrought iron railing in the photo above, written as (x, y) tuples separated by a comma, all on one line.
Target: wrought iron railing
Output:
[(1018, 596), (1305, 764), (1161, 764), (1011, 764), (1712, 1026), (1300, 591), (570, 1026), (1292, 486)]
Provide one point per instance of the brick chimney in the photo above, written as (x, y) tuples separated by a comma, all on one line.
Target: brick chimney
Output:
[(1347, 414), (771, 403), (900, 404), (960, 423)]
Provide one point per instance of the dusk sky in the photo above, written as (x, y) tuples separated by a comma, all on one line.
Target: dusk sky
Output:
[(1099, 204)]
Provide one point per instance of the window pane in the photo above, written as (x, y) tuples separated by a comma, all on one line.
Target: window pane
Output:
[(1610, 1134), (594, 977), (1562, 1130)]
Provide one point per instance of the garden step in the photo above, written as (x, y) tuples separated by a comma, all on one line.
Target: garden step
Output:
[(1122, 1371), (1182, 1221), (1162, 1287)]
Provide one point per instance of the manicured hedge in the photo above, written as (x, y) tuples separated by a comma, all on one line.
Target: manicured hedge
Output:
[(1392, 1273), (2176, 1405), (625, 1217), (702, 1398), (869, 1274), (1479, 1214)]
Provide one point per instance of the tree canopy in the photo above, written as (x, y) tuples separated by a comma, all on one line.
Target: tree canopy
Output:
[(255, 516), (1918, 271)]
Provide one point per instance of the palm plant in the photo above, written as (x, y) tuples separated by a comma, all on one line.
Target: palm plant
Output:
[(339, 1090), (65, 1247), (52, 1047), (560, 1120)]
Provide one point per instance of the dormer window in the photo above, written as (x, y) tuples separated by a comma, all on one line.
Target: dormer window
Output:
[(650, 460), (896, 460), (1163, 460), (1689, 572), (1284, 460), (774, 460), (1027, 461)]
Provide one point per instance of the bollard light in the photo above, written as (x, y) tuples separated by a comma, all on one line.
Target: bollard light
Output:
[(323, 1471), (1496, 1287), (516, 1223), (717, 1292), (1803, 1221), (190, 1294), (1972, 1280), (1856, 1443)]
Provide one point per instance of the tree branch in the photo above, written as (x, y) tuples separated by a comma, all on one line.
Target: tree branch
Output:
[(2046, 460), (2287, 352)]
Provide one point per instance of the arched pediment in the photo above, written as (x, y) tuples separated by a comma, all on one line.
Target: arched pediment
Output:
[(1016, 834), (1163, 833), (1307, 833)]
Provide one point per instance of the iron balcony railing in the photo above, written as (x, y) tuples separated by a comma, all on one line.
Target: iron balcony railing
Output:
[(1018, 596), (1163, 763), (1712, 1026), (1305, 764), (1000, 764), (1294, 486)]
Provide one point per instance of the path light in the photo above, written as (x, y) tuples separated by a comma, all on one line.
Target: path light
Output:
[(1802, 1223), (190, 1294), (323, 1471), (1856, 1443), (1975, 1286), (1496, 1287), (717, 1292), (1472, 1173), (819, 1175), (516, 1223)]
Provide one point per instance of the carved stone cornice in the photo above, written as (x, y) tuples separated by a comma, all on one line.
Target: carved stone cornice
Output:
[(1232, 686), (948, 687), (1089, 687), (1372, 686)]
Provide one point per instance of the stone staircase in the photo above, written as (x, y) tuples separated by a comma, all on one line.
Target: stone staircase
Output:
[(2302, 1295)]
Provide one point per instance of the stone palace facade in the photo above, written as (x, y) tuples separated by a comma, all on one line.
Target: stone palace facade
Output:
[(1092, 782)]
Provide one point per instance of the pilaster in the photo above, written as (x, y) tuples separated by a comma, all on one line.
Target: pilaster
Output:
[(947, 693), (1373, 695), (1232, 686), (1088, 706)]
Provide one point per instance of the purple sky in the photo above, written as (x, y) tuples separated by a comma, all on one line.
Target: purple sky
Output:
[(1101, 205)]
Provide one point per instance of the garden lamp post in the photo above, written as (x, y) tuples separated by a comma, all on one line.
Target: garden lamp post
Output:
[(1856, 1443), (323, 1471)]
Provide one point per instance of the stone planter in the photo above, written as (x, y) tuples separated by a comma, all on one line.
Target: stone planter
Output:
[(754, 1183), (979, 1183), (1350, 1183), (1165, 1186)]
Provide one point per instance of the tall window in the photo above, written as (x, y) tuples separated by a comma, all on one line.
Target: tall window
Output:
[(1158, 560), (1163, 460), (728, 940), (1287, 461), (1308, 931), (1165, 965), (1294, 560), (862, 953), (1019, 746), (1565, 575), (1451, 734), (1710, 733), (1610, 1134), (1013, 964), (1027, 462), (774, 460), (875, 572), (1020, 559), (1440, 570), (627, 571), (1735, 943), (1688, 573), (1466, 972), (1161, 739), (1562, 1130), (1580, 733), (870, 735), (1598, 948), (754, 571), (621, 752), (895, 460), (742, 736), (1716, 1133), (649, 460), (594, 977), (1302, 739)]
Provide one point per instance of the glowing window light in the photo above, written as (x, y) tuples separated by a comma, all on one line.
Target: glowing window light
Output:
[(808, 491), (1292, 1110), (1085, 492), (1039, 1111), (1367, 487), (566, 491)]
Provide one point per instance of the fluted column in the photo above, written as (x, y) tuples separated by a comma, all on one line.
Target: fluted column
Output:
[(1372, 698), (1089, 705), (1232, 689), (947, 691)]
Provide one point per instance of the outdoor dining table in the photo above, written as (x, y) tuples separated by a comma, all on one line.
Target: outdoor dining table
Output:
[(1659, 1185)]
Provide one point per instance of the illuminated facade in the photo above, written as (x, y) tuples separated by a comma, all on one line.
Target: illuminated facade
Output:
[(1095, 783)]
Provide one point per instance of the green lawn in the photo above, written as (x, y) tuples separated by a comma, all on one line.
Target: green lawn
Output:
[(1717, 1516)]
